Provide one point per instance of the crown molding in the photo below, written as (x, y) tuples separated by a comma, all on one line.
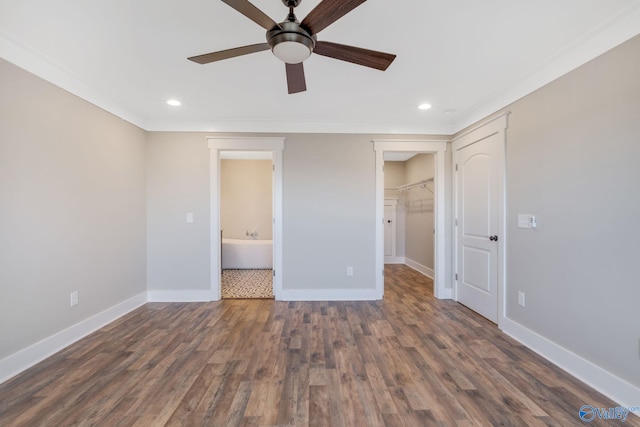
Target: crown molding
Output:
[(36, 63), (261, 126), (612, 33)]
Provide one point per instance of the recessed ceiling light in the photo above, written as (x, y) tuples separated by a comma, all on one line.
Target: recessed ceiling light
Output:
[(424, 106), (174, 102), (450, 111)]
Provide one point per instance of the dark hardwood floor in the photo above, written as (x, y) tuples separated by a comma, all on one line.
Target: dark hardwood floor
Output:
[(410, 360)]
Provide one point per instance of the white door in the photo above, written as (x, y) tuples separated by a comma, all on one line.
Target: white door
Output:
[(389, 229), (478, 201)]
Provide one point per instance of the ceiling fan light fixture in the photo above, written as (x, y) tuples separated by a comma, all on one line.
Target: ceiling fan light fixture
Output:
[(291, 52), (290, 43)]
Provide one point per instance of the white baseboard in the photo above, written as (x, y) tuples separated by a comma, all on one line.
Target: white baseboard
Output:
[(420, 268), (180, 296), (615, 388), (394, 260), (14, 364), (446, 293), (329, 295)]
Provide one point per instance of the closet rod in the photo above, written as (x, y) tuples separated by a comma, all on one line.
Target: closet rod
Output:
[(408, 187)]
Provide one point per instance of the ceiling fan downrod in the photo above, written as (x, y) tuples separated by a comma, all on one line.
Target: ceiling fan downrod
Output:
[(291, 4)]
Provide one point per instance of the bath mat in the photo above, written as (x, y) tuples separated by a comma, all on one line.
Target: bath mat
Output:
[(247, 284)]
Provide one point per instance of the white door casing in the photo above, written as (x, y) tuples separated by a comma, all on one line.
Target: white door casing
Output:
[(390, 229), (275, 146), (438, 148), (479, 169)]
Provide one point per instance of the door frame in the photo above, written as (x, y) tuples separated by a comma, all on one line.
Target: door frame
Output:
[(394, 238), (217, 144), (438, 148), (496, 125)]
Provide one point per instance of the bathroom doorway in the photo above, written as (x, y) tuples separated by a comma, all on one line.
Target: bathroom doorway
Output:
[(249, 233), (246, 224)]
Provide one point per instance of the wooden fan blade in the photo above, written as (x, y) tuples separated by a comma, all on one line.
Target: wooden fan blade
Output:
[(356, 55), (295, 78), (327, 12), (229, 53), (253, 13)]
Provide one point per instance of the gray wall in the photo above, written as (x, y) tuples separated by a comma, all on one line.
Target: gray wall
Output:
[(394, 176), (419, 205), (177, 184), (246, 198), (329, 211), (328, 203), (72, 209), (573, 160)]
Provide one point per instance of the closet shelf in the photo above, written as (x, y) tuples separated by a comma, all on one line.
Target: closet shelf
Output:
[(407, 187)]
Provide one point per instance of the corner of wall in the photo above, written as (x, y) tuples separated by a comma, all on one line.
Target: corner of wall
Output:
[(615, 388), (24, 359)]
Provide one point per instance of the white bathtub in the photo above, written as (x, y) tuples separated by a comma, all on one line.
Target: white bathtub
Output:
[(247, 254)]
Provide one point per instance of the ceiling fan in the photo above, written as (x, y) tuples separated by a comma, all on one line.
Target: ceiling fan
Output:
[(293, 41)]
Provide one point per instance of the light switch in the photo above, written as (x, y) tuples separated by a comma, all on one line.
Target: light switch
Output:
[(527, 221), (74, 298), (521, 298), (190, 217)]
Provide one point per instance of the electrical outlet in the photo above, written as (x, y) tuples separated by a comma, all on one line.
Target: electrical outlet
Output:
[(74, 298), (521, 298), (349, 271)]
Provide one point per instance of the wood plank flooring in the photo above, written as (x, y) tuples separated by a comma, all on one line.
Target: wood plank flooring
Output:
[(410, 360)]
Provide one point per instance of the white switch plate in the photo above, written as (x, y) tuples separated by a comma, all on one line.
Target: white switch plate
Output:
[(521, 298), (190, 217), (74, 298), (527, 221), (349, 271)]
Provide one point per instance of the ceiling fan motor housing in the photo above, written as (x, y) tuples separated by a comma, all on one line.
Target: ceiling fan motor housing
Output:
[(290, 42), (291, 3)]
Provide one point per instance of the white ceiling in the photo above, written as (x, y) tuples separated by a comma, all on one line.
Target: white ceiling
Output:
[(397, 156), (246, 155), (467, 56)]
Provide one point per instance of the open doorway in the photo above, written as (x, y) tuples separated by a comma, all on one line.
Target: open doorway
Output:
[(251, 230), (435, 184), (246, 226), (409, 197)]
